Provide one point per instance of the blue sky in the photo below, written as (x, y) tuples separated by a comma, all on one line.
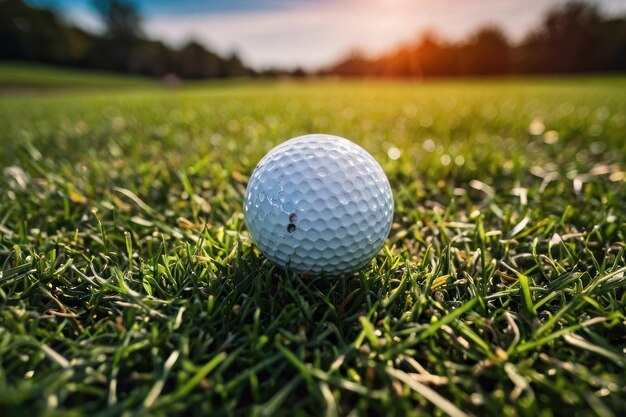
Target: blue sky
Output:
[(187, 7), (314, 33)]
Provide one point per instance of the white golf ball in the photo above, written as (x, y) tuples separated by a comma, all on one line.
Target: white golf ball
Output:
[(319, 204)]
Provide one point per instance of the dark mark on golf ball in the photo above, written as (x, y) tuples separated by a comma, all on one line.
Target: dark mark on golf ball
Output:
[(291, 227)]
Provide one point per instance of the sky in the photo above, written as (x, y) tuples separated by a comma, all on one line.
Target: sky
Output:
[(315, 33)]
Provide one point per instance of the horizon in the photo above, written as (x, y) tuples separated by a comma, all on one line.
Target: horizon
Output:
[(330, 30)]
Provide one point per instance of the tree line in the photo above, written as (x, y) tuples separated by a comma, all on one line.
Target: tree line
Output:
[(36, 34), (573, 38)]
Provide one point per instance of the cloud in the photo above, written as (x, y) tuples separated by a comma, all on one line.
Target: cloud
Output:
[(316, 35)]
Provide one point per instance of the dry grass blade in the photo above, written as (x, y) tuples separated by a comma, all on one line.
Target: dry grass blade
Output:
[(431, 395)]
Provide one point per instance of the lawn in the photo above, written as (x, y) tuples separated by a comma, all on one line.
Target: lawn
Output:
[(129, 285), (20, 77)]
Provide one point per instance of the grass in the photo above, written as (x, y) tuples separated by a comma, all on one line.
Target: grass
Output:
[(129, 285), (20, 77)]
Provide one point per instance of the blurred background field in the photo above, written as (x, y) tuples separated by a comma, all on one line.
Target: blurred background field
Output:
[(25, 77)]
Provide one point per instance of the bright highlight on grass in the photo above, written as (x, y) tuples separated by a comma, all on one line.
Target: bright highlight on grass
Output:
[(129, 283)]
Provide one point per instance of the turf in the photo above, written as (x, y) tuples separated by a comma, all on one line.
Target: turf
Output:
[(20, 77), (129, 285)]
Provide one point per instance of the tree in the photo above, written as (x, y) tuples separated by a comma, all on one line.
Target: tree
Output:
[(355, 64), (435, 58), (232, 66), (487, 53), (37, 34), (121, 19), (42, 35), (122, 35), (194, 61), (575, 37)]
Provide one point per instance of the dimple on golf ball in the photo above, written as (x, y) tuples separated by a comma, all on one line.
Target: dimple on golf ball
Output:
[(319, 204)]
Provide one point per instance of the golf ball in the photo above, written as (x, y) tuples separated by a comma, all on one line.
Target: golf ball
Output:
[(319, 204)]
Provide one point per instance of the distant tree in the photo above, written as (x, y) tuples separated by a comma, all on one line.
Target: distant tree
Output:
[(120, 18), (122, 35), (234, 67), (298, 72), (153, 58), (435, 59), (355, 64), (575, 37), (194, 61), (402, 62), (14, 26), (36, 34), (41, 35), (612, 47), (274, 72), (486, 53)]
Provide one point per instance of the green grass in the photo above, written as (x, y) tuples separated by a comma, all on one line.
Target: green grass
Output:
[(129, 284), (25, 76)]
